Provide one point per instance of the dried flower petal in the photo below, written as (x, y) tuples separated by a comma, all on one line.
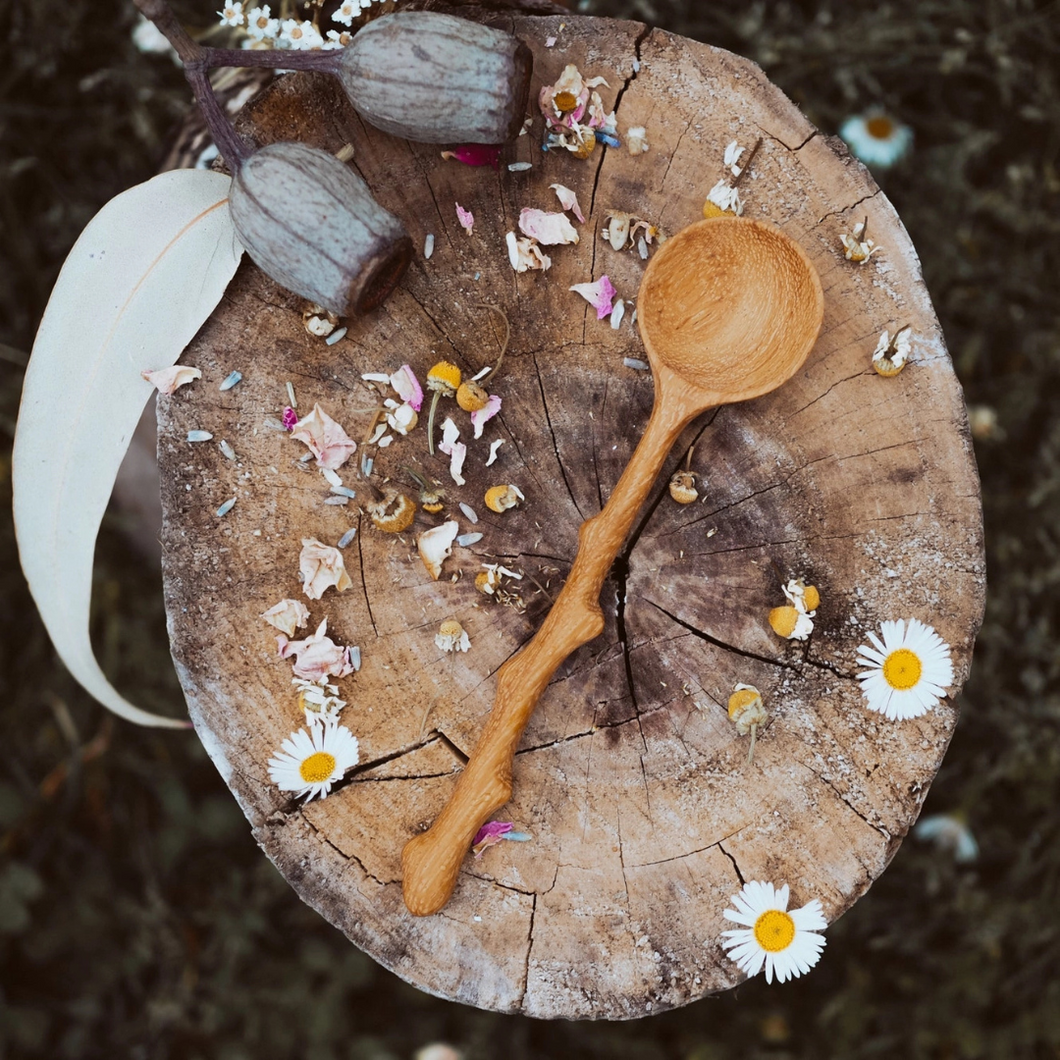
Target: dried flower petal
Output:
[(321, 567), (166, 380), (476, 155), (547, 228), (436, 545), (599, 295), (525, 254), (318, 657), (466, 218), (480, 417), (408, 387), (287, 615), (568, 200), (326, 439)]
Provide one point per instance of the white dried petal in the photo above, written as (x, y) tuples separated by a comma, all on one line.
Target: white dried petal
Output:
[(436, 545)]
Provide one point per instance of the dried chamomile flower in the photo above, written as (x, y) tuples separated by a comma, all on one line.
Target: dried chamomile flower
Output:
[(501, 498), (723, 199), (791, 623), (391, 511), (287, 616), (892, 354), (748, 713), (321, 567), (472, 396), (443, 380), (490, 580), (786, 943), (908, 671), (858, 247), (308, 763), (400, 418), (320, 702), (802, 597), (319, 321), (436, 545), (683, 487), (431, 497), (452, 636)]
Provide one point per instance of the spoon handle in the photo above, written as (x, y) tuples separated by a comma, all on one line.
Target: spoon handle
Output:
[(431, 861)]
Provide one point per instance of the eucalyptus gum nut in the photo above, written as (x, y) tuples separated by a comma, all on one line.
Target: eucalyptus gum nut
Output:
[(437, 79), (311, 224)]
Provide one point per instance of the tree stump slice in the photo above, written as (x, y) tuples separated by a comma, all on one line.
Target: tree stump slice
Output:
[(644, 813)]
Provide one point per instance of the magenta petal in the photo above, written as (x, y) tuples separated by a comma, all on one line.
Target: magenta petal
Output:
[(607, 295), (477, 154), (290, 418), (492, 829)]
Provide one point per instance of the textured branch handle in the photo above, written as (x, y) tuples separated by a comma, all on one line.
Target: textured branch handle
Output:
[(431, 861)]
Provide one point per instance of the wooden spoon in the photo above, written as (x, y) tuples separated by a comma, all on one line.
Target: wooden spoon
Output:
[(728, 310)]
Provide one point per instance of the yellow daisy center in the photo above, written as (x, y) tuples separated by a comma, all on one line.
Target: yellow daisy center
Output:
[(317, 767), (902, 669), (880, 128), (774, 931)]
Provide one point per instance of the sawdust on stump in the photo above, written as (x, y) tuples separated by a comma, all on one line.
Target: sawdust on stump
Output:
[(644, 813)]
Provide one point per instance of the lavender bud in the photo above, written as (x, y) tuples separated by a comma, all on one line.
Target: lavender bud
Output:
[(311, 224), (437, 79)]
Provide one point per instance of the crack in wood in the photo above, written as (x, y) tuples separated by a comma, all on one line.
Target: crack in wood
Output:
[(847, 209), (555, 444), (735, 864)]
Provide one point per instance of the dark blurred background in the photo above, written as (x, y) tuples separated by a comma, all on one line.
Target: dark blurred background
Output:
[(137, 917)]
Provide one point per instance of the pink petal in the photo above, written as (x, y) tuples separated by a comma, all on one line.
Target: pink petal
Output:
[(476, 155), (568, 200), (497, 828), (466, 218), (408, 388), (290, 418), (326, 439), (480, 418), (547, 228), (321, 567), (599, 295)]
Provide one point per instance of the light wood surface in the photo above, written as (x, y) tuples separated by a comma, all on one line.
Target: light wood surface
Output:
[(629, 777)]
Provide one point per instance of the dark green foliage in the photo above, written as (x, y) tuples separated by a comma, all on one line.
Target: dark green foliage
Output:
[(138, 919)]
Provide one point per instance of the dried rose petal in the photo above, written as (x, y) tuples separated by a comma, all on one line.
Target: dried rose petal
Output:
[(290, 418), (600, 295), (466, 218), (479, 418), (326, 439), (525, 254), (318, 656), (476, 155), (287, 615), (547, 228), (435, 545), (322, 567), (166, 380), (408, 387), (568, 200)]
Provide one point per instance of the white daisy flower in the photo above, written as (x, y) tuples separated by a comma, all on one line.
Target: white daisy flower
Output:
[(232, 14), (310, 762), (347, 12), (724, 198), (787, 943), (300, 36), (876, 138), (909, 669)]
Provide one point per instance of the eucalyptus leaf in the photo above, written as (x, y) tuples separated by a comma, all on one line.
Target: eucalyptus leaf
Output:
[(138, 284)]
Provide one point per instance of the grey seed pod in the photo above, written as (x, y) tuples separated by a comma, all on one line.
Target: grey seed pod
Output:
[(437, 79), (312, 225)]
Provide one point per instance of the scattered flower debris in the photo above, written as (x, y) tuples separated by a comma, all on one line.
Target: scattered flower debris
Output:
[(317, 657), (568, 200), (520, 167), (320, 702), (466, 219), (470, 512), (547, 228), (326, 439), (166, 380), (786, 943), (480, 417), (452, 636), (444, 381), (490, 834), (617, 313), (637, 140), (308, 763), (199, 436), (321, 568), (494, 446), (908, 670), (748, 713), (336, 336), (804, 598), (636, 364), (231, 380), (428, 245), (436, 545), (456, 451), (723, 199), (347, 538), (226, 450), (287, 616), (392, 512), (476, 155), (290, 419), (599, 294), (892, 354), (501, 498), (624, 230), (226, 507), (683, 487), (318, 321), (408, 387), (857, 247), (467, 540), (790, 623), (524, 254), (565, 106)]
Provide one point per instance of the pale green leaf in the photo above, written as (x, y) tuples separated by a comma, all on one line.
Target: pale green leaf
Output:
[(139, 283)]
